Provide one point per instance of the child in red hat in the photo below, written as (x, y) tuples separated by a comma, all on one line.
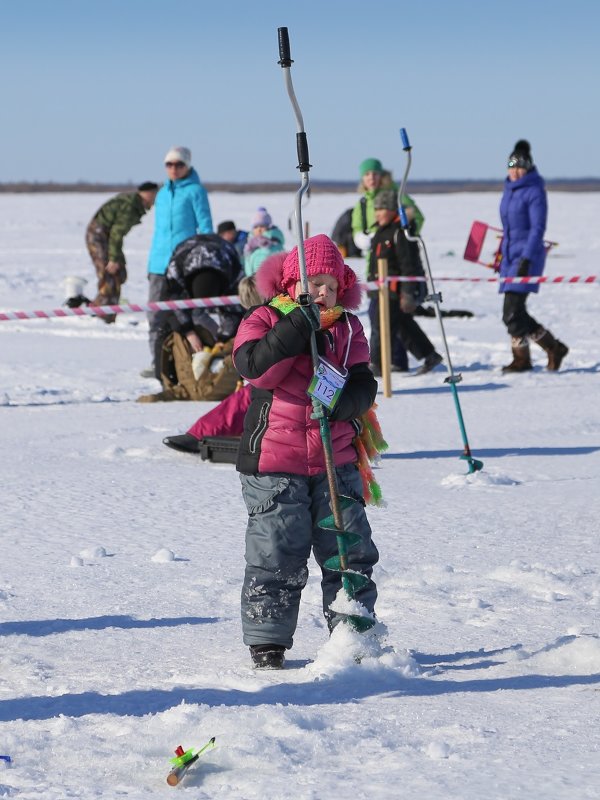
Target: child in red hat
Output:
[(281, 461)]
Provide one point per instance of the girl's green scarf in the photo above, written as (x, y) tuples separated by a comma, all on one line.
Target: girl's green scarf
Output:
[(370, 442)]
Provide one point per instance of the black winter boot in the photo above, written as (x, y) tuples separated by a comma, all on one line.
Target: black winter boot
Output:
[(521, 356), (267, 656), (555, 349)]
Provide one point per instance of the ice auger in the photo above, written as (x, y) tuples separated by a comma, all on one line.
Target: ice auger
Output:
[(436, 298), (352, 581)]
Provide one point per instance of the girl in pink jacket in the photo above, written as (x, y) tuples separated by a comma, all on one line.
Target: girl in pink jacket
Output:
[(281, 463)]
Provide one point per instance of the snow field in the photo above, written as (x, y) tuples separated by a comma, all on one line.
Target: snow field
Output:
[(121, 561)]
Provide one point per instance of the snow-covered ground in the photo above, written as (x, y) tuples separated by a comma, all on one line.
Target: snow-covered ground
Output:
[(121, 560)]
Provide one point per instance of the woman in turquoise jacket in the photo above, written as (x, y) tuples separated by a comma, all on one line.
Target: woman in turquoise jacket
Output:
[(181, 210)]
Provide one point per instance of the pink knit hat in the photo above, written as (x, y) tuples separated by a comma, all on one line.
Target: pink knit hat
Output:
[(322, 257)]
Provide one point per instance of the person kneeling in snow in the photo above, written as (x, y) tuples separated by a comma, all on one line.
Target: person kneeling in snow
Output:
[(192, 343), (227, 418), (281, 461)]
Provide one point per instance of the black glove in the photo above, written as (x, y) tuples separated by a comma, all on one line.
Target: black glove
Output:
[(311, 311), (523, 270)]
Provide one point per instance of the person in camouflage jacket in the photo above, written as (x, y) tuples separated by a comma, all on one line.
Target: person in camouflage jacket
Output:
[(104, 239)]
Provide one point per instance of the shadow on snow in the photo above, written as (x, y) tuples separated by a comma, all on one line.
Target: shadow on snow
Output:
[(48, 627), (496, 452), (350, 686)]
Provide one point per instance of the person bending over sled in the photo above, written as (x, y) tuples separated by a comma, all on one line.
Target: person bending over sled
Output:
[(280, 460)]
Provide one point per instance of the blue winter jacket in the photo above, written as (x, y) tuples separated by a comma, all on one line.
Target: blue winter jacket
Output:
[(524, 211), (181, 210)]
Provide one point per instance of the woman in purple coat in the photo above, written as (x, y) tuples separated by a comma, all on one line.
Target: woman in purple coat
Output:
[(524, 210)]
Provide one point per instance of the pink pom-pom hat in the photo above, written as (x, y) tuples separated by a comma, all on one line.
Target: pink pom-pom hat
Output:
[(281, 271)]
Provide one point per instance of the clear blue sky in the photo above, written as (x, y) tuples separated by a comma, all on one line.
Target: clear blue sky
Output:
[(98, 90)]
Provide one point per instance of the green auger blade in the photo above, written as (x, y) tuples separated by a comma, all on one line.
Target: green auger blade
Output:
[(356, 579), (359, 624), (474, 463), (329, 522), (349, 538), (352, 581)]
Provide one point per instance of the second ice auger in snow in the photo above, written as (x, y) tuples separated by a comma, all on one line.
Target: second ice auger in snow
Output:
[(436, 298)]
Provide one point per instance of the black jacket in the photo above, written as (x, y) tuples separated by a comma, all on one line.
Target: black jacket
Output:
[(391, 243), (209, 260)]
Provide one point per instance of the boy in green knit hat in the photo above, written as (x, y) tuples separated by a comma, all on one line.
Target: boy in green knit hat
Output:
[(373, 179)]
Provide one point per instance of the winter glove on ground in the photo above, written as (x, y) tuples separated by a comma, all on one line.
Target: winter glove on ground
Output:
[(523, 270)]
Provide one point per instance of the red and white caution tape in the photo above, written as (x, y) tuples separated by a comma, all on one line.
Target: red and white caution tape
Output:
[(131, 308), (527, 279), (234, 300)]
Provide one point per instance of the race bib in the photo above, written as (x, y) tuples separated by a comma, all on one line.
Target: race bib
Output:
[(327, 383)]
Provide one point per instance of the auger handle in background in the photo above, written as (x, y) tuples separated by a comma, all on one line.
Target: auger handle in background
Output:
[(285, 62), (436, 298), (433, 296)]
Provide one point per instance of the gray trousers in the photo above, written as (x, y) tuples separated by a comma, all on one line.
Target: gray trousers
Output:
[(283, 516), (157, 290)]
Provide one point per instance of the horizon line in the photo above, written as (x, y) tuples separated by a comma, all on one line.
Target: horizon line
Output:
[(322, 184)]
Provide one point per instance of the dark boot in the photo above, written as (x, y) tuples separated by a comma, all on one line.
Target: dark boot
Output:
[(267, 656), (521, 356), (431, 362), (556, 350)]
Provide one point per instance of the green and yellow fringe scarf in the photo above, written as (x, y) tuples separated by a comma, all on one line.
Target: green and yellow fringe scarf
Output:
[(369, 443)]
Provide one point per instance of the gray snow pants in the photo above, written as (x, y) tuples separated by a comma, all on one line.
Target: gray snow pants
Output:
[(283, 516)]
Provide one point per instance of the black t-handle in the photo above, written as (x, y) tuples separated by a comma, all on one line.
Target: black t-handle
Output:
[(285, 59)]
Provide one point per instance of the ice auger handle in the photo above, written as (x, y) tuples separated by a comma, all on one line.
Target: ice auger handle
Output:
[(404, 137), (403, 218), (285, 59), (302, 148)]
